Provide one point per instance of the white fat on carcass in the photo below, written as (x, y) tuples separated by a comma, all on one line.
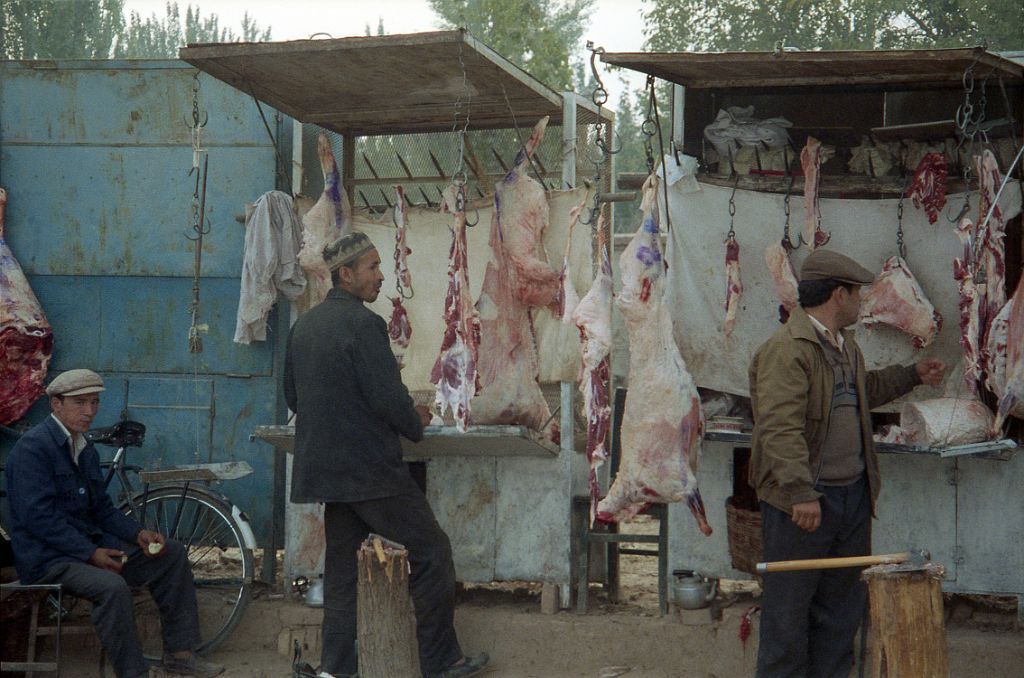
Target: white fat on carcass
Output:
[(662, 425), (945, 422), (1006, 358), (896, 299), (783, 278)]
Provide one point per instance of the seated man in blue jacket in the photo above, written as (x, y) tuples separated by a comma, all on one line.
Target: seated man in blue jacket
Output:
[(66, 530)]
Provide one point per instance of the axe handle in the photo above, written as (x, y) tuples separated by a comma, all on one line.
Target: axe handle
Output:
[(829, 563)]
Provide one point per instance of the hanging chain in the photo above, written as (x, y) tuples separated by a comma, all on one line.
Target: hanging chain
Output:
[(901, 245), (603, 135), (196, 128), (968, 119), (732, 211), (459, 177), (647, 127)]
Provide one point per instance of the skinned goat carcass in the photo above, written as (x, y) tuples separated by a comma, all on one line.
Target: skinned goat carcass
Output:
[(811, 158), (1011, 400), (928, 188), (992, 257), (455, 375), (783, 278), (26, 338), (970, 306), (593, 316), (517, 278), (662, 425), (399, 327), (325, 222), (733, 284), (896, 299)]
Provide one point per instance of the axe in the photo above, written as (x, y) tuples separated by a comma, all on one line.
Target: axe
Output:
[(909, 560)]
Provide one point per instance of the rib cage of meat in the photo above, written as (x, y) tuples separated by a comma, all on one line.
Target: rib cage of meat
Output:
[(733, 284), (1011, 400), (399, 327), (896, 299), (783, 278), (517, 278), (26, 338), (970, 305), (992, 234), (455, 375), (593, 316), (662, 425), (325, 222), (811, 158), (928, 188)]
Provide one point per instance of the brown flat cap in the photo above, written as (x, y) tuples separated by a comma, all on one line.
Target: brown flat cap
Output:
[(346, 249), (831, 265), (75, 382)]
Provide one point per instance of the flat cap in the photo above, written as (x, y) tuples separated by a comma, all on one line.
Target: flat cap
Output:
[(346, 249), (831, 265), (75, 382)]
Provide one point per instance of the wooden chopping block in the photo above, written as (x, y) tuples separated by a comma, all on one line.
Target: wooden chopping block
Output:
[(385, 620), (908, 632)]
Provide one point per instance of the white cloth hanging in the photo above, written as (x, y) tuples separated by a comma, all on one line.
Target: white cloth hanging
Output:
[(273, 236)]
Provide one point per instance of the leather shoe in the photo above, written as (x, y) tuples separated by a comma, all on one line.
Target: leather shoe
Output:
[(192, 665), (467, 666)]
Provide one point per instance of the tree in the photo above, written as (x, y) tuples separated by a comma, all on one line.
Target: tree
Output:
[(754, 25), (540, 36), (154, 38)]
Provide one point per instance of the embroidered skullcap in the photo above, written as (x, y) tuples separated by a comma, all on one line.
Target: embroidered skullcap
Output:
[(346, 249)]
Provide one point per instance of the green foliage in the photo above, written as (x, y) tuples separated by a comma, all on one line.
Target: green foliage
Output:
[(96, 29), (755, 25), (538, 35)]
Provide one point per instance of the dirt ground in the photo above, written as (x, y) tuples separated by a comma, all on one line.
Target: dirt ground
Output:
[(627, 638)]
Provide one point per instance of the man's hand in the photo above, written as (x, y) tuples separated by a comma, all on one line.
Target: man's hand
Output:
[(107, 559), (425, 416), (807, 515), (151, 543), (931, 371)]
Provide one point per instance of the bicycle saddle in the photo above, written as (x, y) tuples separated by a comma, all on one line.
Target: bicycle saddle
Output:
[(122, 434)]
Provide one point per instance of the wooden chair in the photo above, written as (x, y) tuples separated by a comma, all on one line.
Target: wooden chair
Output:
[(610, 535)]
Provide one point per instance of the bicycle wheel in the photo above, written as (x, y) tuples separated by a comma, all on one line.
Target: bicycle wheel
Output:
[(222, 564)]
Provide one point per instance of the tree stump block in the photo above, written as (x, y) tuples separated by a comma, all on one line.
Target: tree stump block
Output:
[(908, 632), (386, 622)]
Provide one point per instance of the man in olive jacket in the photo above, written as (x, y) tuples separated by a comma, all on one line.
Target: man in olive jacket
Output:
[(814, 467), (342, 381)]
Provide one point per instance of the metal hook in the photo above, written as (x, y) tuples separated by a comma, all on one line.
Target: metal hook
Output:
[(475, 221)]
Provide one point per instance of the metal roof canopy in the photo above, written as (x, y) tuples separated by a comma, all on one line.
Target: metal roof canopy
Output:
[(393, 84), (702, 70)]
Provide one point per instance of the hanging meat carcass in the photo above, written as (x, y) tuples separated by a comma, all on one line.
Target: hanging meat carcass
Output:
[(593, 316), (992, 257), (26, 338), (783, 278), (896, 299), (928, 189), (733, 284), (1011, 397), (970, 305), (945, 422), (325, 222), (455, 375), (811, 158), (399, 327), (662, 425), (517, 278)]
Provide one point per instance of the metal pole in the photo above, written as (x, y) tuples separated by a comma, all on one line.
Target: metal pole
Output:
[(568, 140), (567, 388), (678, 103)]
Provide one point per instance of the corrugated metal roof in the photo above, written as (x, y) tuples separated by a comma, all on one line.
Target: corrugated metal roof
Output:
[(393, 84), (789, 68)]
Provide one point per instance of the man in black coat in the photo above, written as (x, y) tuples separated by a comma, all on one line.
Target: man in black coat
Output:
[(343, 382)]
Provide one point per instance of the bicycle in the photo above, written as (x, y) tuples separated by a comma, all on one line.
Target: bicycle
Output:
[(216, 534)]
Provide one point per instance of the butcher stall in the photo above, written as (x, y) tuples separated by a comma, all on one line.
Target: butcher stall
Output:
[(909, 162), (408, 138)]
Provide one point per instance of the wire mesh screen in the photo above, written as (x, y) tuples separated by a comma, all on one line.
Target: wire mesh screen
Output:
[(424, 163)]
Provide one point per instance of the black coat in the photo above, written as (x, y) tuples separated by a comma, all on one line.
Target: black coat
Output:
[(342, 381)]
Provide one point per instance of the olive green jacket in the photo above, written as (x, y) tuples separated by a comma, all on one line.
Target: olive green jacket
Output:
[(791, 396)]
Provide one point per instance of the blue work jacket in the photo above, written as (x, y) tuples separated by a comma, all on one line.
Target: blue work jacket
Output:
[(60, 511)]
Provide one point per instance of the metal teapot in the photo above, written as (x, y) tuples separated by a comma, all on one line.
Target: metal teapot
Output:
[(691, 590)]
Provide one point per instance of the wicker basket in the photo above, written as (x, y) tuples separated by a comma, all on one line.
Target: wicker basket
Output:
[(744, 528)]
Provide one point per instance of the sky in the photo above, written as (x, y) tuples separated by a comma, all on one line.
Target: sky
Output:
[(616, 25)]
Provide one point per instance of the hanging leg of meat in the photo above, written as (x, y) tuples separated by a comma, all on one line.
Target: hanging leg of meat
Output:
[(662, 425), (970, 307), (402, 250), (783, 278), (1011, 400), (593, 315), (455, 373), (811, 158), (733, 284), (928, 188), (567, 298), (26, 338), (992, 251), (896, 298), (399, 327), (517, 278), (325, 222)]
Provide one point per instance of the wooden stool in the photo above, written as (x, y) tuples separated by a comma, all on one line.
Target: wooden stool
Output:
[(40, 595)]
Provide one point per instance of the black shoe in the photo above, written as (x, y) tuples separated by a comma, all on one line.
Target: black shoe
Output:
[(465, 667), (191, 665)]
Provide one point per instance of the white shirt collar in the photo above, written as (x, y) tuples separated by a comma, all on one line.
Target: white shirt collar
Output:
[(78, 441), (834, 339)]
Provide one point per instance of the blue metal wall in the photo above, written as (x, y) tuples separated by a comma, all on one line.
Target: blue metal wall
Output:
[(95, 157)]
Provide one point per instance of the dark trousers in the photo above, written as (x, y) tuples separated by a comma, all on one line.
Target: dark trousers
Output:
[(809, 618), (408, 520), (168, 578)]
